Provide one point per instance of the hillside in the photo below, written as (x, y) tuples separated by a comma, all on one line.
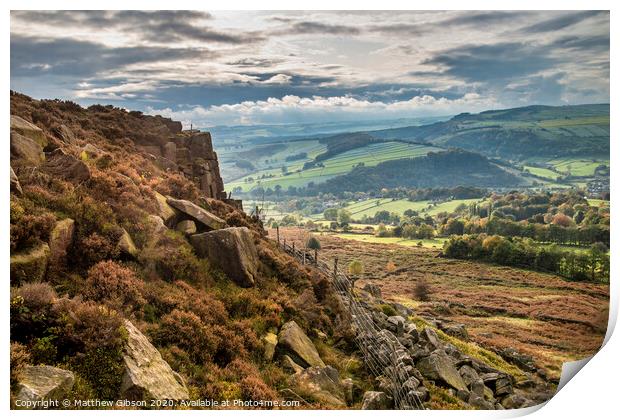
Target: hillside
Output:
[(519, 133), (437, 169)]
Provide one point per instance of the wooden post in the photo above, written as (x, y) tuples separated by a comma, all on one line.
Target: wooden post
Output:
[(335, 266), (285, 244), (303, 262), (293, 247), (278, 234), (316, 260)]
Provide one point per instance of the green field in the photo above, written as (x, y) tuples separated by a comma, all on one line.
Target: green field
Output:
[(542, 172), (372, 206), (370, 155), (578, 167), (427, 243)]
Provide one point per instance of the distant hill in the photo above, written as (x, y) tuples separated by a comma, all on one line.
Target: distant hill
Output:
[(518, 133), (449, 168)]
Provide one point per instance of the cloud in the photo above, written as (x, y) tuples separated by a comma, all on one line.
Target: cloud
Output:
[(561, 22), (164, 26), (492, 62), (321, 109), (309, 27), (32, 56)]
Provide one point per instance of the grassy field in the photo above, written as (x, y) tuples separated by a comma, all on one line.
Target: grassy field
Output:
[(578, 167), (370, 207), (543, 172), (428, 243), (541, 315), (370, 155)]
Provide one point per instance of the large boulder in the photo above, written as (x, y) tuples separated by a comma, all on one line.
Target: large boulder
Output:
[(127, 245), (232, 250), (166, 212), (43, 383), (66, 166), (294, 342), (28, 129), (187, 227), (375, 400), (29, 266), (66, 134), (15, 185), (439, 367), (207, 219), (147, 374), (25, 151), (60, 240), (270, 341), (322, 384)]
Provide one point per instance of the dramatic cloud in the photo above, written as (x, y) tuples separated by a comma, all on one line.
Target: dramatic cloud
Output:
[(320, 109), (243, 66)]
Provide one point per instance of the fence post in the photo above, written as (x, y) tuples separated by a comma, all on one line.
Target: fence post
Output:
[(303, 262), (293, 248), (278, 234), (316, 259), (285, 244)]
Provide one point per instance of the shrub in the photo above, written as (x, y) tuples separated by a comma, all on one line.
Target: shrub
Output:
[(95, 248), (20, 357), (421, 290), (28, 230), (187, 331), (110, 282)]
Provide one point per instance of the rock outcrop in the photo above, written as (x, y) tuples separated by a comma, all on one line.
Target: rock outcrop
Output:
[(187, 227), (438, 367), (25, 151), (15, 185), (270, 341), (147, 374), (67, 167), (293, 341), (376, 400), (232, 250), (322, 383), (41, 383), (29, 266), (206, 219), (166, 212), (29, 130), (127, 245)]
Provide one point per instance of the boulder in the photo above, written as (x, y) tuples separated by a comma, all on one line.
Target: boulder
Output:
[(439, 367), (126, 244), (147, 375), (374, 400), (322, 384), (197, 213), (500, 383), (91, 152), (270, 341), (66, 134), (429, 336), (515, 401), (232, 250), (166, 212), (28, 129), (456, 330), (15, 185), (294, 342), (29, 266), (480, 403), (396, 324), (188, 227), (289, 365), (158, 224), (66, 166), (43, 383), (468, 374), (25, 151), (60, 240)]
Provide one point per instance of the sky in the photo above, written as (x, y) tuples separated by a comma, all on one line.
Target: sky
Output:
[(267, 67)]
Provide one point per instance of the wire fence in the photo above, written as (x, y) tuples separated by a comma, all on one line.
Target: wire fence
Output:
[(381, 350)]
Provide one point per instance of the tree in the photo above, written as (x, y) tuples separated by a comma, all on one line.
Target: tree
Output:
[(421, 290), (356, 268), (315, 244), (331, 214), (344, 217)]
